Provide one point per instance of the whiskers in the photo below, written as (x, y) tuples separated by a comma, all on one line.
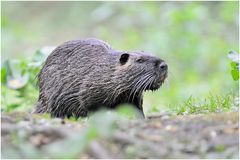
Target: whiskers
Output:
[(139, 85)]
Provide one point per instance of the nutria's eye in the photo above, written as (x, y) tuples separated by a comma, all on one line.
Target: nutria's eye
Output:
[(141, 60), (124, 58)]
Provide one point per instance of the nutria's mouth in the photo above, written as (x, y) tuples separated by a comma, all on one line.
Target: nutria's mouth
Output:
[(159, 80)]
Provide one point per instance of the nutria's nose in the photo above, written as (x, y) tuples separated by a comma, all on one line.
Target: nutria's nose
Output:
[(163, 66)]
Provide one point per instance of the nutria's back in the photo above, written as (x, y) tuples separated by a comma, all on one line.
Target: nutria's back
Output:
[(82, 75)]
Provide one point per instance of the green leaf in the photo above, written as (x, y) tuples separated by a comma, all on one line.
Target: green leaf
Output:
[(3, 75), (235, 74)]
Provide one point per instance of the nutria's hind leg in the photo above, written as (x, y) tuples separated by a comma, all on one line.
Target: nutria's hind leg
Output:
[(138, 101)]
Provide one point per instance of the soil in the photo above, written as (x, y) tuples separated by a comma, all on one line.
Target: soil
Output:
[(160, 136)]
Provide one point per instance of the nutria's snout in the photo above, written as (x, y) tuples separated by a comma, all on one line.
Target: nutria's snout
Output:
[(163, 71), (161, 75), (163, 66)]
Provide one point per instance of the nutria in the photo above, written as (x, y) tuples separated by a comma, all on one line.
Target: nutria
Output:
[(80, 76)]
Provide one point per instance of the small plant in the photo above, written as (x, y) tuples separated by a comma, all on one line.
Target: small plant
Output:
[(234, 56), (213, 103), (18, 81)]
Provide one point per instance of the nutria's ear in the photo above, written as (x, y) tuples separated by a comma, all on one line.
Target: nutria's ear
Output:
[(124, 58)]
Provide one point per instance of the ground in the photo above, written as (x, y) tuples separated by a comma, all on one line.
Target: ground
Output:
[(159, 136)]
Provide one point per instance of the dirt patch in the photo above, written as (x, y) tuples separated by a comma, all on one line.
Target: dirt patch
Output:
[(160, 136)]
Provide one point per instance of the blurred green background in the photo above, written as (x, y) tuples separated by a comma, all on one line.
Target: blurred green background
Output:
[(194, 38)]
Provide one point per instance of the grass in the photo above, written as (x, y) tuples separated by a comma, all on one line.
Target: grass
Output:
[(213, 103)]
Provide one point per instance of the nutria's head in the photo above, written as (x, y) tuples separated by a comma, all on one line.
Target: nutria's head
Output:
[(141, 71)]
